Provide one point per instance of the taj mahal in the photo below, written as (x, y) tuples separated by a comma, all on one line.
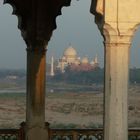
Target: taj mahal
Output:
[(71, 59)]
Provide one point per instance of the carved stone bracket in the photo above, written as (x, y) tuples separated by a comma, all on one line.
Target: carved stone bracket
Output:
[(113, 22), (97, 10), (115, 36)]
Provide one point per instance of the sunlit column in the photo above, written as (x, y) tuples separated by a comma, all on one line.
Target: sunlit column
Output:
[(116, 87), (36, 75)]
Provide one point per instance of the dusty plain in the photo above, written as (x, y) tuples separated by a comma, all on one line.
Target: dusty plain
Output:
[(66, 110)]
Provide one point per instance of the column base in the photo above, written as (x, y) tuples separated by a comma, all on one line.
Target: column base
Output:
[(37, 133)]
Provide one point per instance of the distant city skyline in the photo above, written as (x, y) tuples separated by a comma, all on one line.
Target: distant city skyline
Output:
[(76, 26)]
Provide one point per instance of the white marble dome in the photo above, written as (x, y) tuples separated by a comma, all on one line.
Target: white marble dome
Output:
[(85, 60), (70, 52)]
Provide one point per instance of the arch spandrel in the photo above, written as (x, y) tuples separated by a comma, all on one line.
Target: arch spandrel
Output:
[(129, 10), (120, 15), (122, 10), (37, 18)]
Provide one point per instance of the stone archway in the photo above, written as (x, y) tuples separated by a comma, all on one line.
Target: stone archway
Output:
[(116, 24), (68, 25)]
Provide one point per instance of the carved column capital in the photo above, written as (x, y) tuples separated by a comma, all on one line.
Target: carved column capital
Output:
[(116, 35), (36, 45), (113, 22)]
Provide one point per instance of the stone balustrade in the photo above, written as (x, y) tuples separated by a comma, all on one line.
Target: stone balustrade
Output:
[(66, 134)]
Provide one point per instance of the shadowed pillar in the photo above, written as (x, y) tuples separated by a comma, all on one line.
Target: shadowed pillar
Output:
[(36, 75), (37, 20)]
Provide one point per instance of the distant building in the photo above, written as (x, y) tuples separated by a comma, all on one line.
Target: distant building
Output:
[(52, 66), (12, 77), (71, 60)]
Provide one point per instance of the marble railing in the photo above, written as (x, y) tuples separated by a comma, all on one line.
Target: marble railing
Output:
[(12, 134), (65, 134), (85, 134)]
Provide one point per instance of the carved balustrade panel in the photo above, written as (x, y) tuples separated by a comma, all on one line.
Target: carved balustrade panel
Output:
[(86, 134), (76, 134), (65, 134), (134, 134), (11, 134)]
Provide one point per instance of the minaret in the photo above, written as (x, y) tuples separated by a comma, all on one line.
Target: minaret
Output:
[(96, 59), (96, 63), (52, 66)]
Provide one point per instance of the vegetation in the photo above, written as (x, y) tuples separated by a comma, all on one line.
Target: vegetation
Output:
[(135, 75), (90, 77), (69, 77), (80, 77), (6, 72), (63, 126)]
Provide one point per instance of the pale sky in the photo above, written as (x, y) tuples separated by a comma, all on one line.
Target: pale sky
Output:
[(75, 25)]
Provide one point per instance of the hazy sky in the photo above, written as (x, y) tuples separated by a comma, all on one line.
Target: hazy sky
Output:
[(75, 25)]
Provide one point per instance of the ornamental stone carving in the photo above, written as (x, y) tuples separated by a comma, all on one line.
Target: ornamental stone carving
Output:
[(37, 18), (115, 19)]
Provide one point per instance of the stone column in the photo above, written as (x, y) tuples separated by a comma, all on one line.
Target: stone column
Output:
[(36, 75), (117, 49)]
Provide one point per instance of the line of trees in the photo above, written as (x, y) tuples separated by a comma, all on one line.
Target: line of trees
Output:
[(76, 77), (80, 77), (6, 72), (90, 77), (134, 75)]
